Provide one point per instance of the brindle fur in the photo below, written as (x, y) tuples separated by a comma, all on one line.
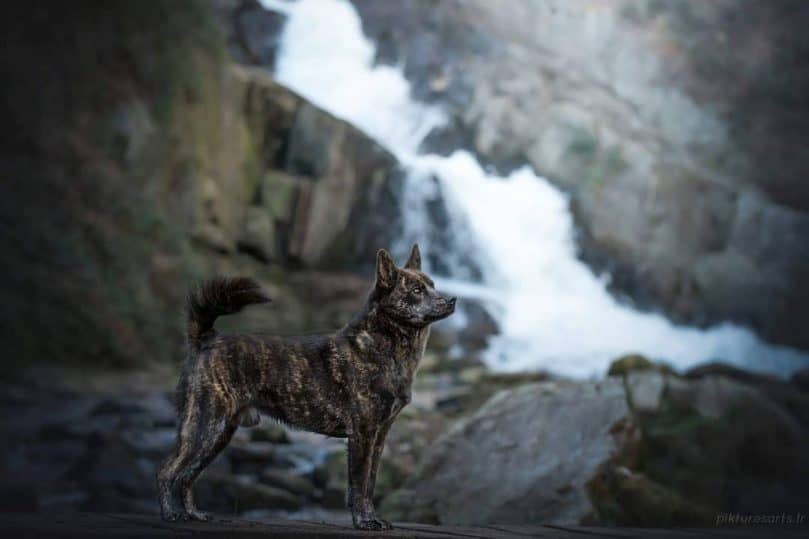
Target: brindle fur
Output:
[(351, 383)]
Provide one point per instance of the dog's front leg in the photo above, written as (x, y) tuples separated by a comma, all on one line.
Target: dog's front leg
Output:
[(360, 466), (376, 456)]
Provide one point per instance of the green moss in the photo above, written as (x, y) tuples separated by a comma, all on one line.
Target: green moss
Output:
[(614, 162), (583, 144), (636, 362), (279, 193)]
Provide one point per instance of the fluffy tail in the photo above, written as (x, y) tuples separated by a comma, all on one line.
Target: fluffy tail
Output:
[(218, 297)]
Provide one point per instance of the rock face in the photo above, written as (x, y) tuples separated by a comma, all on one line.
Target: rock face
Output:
[(525, 456), (133, 172), (654, 117), (312, 181)]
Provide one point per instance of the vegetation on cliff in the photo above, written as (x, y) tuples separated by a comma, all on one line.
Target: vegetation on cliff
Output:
[(138, 158)]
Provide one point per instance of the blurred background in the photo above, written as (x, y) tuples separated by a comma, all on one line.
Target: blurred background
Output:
[(615, 190)]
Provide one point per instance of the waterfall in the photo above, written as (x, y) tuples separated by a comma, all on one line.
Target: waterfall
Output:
[(553, 312)]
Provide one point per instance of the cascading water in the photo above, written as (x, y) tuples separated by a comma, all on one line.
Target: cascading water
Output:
[(552, 311)]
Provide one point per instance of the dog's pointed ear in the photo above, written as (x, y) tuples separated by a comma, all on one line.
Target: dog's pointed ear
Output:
[(385, 270), (414, 262)]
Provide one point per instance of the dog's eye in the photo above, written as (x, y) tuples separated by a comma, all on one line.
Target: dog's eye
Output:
[(418, 290)]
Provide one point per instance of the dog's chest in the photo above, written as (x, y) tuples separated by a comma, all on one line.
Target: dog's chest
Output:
[(394, 385)]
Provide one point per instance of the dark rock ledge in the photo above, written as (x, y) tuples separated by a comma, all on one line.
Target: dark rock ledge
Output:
[(127, 525)]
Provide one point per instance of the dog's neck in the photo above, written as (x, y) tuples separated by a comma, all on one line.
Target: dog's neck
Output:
[(371, 327), (373, 320)]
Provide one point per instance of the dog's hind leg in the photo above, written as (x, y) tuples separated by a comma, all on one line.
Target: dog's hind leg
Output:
[(216, 434), (207, 427), (171, 502)]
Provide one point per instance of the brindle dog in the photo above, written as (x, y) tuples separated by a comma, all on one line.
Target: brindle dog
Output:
[(349, 384)]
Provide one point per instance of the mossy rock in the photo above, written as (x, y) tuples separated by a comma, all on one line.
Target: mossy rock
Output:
[(636, 362), (625, 498)]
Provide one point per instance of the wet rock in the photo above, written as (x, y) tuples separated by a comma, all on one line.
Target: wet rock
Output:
[(251, 457), (289, 481), (156, 443), (270, 431), (242, 493), (801, 380)]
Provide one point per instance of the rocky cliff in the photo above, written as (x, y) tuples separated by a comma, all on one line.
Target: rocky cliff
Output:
[(678, 129), (138, 157)]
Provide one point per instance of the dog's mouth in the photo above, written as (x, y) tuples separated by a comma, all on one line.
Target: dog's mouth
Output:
[(444, 310)]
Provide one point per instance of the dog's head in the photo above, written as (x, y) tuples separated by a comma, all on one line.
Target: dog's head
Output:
[(406, 294)]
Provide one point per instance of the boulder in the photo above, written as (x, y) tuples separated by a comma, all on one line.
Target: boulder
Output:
[(644, 391), (532, 450)]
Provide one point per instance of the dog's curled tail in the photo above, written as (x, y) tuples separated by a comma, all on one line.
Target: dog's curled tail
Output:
[(218, 297)]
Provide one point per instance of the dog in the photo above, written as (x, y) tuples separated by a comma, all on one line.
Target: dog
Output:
[(349, 384)]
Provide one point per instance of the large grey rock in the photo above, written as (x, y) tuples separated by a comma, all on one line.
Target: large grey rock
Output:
[(525, 456)]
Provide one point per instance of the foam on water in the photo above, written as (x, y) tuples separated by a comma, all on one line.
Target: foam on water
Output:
[(553, 312)]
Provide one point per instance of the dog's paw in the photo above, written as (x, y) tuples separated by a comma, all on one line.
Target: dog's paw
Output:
[(373, 524), (201, 516), (175, 515)]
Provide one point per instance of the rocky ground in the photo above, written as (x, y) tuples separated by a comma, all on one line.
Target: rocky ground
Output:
[(92, 442), (644, 447)]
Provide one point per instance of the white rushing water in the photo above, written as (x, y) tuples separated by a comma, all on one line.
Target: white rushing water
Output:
[(553, 312)]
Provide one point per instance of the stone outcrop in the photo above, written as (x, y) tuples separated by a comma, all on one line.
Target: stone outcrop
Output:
[(532, 450), (646, 447), (308, 187), (684, 167)]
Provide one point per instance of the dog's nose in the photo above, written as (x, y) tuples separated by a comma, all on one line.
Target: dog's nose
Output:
[(452, 301)]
